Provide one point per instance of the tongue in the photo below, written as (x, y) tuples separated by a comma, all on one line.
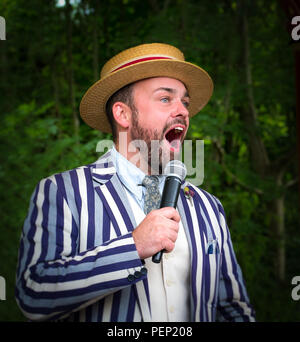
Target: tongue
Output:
[(173, 137), (175, 144)]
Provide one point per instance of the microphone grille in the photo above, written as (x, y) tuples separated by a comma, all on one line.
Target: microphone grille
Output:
[(176, 168)]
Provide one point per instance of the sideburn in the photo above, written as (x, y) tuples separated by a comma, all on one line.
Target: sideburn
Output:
[(153, 158)]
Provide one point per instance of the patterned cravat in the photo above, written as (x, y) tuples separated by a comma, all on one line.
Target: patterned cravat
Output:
[(152, 196)]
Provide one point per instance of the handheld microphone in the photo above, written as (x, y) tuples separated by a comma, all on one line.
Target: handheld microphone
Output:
[(175, 172)]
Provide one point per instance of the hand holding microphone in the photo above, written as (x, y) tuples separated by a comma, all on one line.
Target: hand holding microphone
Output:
[(175, 172), (159, 230)]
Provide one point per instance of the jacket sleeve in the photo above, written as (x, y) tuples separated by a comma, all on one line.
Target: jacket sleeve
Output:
[(53, 279), (233, 303)]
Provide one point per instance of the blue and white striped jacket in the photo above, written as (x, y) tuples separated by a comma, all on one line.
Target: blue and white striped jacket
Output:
[(78, 260)]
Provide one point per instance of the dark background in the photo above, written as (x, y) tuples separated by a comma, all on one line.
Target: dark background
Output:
[(55, 50)]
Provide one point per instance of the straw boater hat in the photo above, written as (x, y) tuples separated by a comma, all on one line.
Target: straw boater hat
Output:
[(141, 62)]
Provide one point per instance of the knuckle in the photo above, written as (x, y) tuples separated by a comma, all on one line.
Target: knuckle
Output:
[(176, 226), (151, 214), (170, 246)]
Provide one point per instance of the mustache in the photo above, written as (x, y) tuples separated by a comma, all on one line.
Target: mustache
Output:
[(180, 121)]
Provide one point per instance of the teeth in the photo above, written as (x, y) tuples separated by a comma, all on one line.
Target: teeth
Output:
[(178, 129)]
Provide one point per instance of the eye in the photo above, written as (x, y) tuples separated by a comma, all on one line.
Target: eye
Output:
[(165, 99), (185, 103)]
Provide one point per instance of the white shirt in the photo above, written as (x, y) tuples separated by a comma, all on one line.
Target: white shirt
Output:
[(169, 281)]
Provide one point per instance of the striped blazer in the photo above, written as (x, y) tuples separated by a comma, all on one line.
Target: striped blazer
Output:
[(78, 260)]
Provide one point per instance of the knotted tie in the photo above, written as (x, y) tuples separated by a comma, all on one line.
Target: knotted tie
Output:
[(152, 196)]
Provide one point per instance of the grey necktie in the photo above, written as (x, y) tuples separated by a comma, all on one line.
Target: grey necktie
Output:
[(152, 196)]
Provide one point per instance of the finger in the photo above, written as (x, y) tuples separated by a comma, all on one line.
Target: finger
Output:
[(169, 238), (170, 226), (170, 213), (168, 246), (173, 234)]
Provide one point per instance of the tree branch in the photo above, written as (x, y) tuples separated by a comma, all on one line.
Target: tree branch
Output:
[(259, 154), (232, 175), (291, 183)]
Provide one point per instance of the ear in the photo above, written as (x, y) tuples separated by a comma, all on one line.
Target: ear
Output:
[(122, 114)]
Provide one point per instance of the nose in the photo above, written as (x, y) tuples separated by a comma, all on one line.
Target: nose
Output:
[(180, 110)]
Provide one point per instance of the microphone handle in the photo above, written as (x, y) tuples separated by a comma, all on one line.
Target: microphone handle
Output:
[(169, 199)]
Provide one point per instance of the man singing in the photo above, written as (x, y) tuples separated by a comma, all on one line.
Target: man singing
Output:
[(90, 234)]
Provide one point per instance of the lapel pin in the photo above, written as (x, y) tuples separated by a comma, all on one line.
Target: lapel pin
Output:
[(189, 194)]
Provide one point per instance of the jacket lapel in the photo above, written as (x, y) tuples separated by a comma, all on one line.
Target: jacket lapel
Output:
[(196, 244), (108, 186), (114, 198)]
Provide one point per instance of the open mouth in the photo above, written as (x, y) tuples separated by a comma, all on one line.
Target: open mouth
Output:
[(174, 137)]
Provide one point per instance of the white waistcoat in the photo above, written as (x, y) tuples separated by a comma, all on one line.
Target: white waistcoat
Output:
[(170, 279)]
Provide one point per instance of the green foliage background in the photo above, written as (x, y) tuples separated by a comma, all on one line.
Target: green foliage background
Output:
[(54, 52)]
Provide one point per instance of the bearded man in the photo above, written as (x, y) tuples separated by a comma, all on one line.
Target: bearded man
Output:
[(91, 232)]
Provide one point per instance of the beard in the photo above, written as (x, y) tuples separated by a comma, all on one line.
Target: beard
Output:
[(150, 143)]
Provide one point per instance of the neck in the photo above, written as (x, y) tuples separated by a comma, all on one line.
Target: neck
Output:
[(135, 155)]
